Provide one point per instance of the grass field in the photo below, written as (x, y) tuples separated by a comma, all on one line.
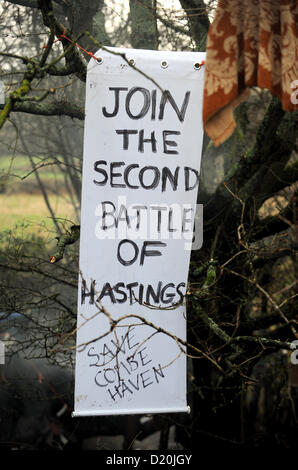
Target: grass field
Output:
[(22, 203)]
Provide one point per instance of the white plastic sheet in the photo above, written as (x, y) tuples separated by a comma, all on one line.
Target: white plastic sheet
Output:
[(142, 149)]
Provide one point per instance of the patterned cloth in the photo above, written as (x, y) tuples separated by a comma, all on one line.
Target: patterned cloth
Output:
[(250, 43)]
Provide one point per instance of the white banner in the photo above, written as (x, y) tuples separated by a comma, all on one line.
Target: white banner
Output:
[(142, 151)]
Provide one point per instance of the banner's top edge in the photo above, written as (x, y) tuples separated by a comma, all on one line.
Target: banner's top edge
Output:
[(116, 53), (147, 51)]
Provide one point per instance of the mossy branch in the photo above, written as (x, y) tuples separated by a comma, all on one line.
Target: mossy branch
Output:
[(61, 108), (38, 98), (275, 246), (273, 224), (18, 94), (67, 239), (272, 343)]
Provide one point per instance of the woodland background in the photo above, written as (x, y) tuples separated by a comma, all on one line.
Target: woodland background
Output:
[(242, 293)]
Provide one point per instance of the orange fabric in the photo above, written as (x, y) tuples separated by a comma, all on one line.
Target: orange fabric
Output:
[(250, 43)]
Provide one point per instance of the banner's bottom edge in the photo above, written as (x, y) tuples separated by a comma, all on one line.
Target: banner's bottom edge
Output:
[(149, 411)]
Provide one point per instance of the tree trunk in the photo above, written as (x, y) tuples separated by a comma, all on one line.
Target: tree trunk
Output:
[(143, 24)]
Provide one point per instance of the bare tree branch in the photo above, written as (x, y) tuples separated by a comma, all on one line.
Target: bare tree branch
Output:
[(61, 108)]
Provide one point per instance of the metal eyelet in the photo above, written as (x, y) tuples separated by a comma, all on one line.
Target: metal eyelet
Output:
[(164, 64)]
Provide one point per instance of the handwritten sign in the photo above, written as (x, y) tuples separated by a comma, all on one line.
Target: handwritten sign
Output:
[(142, 149)]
